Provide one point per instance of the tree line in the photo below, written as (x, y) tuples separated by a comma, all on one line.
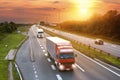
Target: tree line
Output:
[(106, 25), (7, 27)]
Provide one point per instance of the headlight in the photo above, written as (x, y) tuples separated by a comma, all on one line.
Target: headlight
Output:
[(61, 67), (73, 66)]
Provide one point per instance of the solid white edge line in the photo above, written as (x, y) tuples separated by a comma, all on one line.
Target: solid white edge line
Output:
[(101, 65), (18, 71), (59, 77), (107, 69), (107, 64), (79, 67)]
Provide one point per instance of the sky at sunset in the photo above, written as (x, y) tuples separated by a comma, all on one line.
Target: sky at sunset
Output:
[(32, 11)]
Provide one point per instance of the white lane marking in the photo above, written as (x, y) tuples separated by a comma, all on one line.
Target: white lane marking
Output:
[(43, 50), (48, 59), (113, 45), (53, 67), (101, 65), (108, 64), (41, 47), (59, 77), (18, 71), (34, 68), (107, 69), (46, 54), (36, 76), (79, 67), (35, 72)]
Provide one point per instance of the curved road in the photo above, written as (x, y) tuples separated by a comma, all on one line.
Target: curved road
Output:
[(42, 68)]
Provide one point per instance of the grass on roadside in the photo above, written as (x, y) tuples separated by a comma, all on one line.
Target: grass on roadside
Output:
[(95, 53), (3, 70), (7, 43)]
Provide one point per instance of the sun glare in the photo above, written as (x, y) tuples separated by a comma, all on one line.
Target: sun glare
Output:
[(84, 8)]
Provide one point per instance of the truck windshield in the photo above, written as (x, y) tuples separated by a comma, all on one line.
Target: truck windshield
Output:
[(66, 55), (40, 32)]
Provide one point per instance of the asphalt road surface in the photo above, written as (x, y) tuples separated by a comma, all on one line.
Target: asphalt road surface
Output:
[(42, 67)]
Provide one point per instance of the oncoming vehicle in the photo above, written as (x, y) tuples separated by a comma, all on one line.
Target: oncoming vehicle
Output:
[(99, 41)]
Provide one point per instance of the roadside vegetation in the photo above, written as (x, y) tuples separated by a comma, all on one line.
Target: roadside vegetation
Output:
[(105, 26), (9, 39), (7, 43)]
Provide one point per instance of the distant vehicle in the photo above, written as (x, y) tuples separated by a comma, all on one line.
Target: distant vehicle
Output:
[(40, 33), (61, 51), (99, 41)]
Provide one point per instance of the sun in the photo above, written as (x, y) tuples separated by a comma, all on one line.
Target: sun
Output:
[(83, 11), (84, 8)]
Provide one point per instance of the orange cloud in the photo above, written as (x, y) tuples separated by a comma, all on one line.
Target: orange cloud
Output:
[(50, 10)]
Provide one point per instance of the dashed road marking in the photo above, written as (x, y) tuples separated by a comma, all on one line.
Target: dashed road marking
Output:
[(48, 59), (35, 72), (36, 76), (41, 47), (79, 67), (53, 67), (34, 68), (46, 54), (43, 50), (59, 77)]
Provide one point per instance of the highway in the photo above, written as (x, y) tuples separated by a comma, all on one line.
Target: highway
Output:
[(110, 48), (42, 67)]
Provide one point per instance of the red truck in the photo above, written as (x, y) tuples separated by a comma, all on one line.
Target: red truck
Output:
[(61, 51)]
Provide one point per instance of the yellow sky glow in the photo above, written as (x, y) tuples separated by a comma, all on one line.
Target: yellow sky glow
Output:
[(54, 10), (84, 8)]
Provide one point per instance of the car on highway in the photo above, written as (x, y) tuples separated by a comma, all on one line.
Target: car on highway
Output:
[(99, 41)]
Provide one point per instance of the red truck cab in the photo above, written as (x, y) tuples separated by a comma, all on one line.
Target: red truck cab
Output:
[(61, 51)]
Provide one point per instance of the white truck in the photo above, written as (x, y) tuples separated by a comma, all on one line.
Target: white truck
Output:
[(61, 51), (40, 33)]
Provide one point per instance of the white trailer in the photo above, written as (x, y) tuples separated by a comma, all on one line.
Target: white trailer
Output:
[(61, 51)]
